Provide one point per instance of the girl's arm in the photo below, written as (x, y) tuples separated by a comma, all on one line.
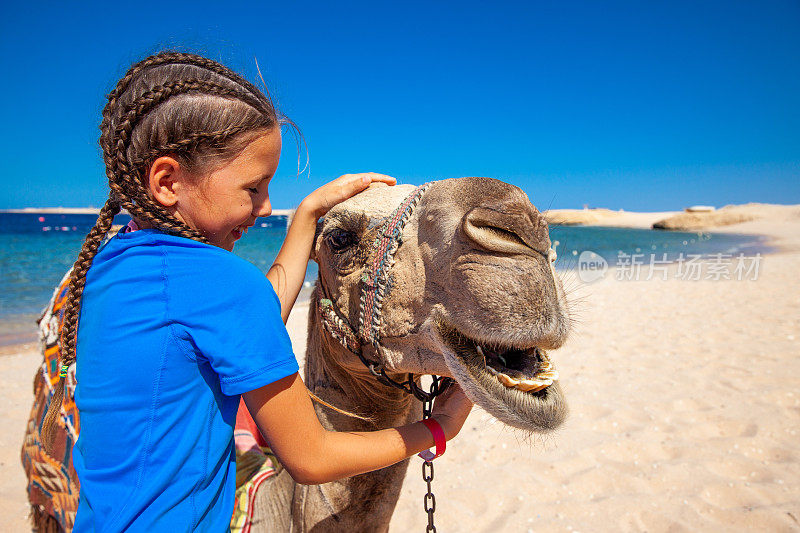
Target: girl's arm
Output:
[(289, 269), (313, 455)]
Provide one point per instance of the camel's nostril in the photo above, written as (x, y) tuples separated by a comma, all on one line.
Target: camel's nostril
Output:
[(495, 239), (509, 233)]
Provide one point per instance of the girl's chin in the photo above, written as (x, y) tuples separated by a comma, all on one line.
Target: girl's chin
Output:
[(225, 244)]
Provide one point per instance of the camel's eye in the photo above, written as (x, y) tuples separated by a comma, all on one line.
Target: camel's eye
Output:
[(340, 240)]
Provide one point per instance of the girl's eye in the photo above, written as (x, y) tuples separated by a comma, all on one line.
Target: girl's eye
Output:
[(253, 190)]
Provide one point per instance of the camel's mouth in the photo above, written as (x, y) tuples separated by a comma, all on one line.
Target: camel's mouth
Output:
[(528, 370)]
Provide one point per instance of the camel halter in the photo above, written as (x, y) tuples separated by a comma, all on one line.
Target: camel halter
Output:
[(375, 285)]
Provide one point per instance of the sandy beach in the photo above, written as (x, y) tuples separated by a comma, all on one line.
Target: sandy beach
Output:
[(685, 412)]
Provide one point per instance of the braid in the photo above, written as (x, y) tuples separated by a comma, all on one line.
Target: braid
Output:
[(162, 58), (168, 57), (176, 58), (192, 141), (72, 308)]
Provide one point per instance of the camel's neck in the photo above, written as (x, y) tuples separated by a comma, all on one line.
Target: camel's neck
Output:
[(338, 377), (366, 500)]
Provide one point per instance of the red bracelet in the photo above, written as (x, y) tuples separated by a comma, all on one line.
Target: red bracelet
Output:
[(438, 439)]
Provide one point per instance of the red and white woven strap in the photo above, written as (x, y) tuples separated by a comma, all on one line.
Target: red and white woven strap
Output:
[(376, 277)]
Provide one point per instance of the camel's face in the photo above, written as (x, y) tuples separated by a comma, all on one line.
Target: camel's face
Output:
[(473, 294)]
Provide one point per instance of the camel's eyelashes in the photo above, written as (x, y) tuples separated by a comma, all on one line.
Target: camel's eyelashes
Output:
[(340, 240)]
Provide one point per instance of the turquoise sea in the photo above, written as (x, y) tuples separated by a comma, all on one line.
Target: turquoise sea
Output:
[(37, 249)]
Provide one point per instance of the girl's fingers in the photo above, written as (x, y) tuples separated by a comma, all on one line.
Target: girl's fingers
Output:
[(453, 398), (342, 188), (370, 177), (359, 182), (383, 178)]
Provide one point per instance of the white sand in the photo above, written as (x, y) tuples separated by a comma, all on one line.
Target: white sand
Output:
[(685, 399), (17, 368)]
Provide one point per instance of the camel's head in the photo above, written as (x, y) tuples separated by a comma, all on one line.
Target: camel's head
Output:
[(472, 294)]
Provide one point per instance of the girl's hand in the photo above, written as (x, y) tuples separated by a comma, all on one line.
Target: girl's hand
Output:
[(451, 409), (323, 199), (289, 270)]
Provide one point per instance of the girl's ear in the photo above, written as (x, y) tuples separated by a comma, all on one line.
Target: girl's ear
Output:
[(165, 180)]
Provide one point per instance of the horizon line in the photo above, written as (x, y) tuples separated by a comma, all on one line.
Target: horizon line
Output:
[(96, 211)]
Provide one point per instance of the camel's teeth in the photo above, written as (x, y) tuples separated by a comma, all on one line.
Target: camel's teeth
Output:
[(533, 385), (506, 380), (525, 385), (544, 377), (547, 375), (537, 389)]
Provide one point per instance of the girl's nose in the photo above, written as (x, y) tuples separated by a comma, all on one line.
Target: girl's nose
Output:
[(264, 209)]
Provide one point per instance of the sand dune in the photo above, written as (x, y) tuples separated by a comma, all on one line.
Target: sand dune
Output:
[(604, 217), (728, 215), (685, 399), (575, 217)]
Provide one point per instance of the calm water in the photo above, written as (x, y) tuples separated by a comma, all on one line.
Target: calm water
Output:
[(37, 249)]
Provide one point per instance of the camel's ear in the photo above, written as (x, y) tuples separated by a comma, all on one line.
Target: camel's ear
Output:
[(317, 240)]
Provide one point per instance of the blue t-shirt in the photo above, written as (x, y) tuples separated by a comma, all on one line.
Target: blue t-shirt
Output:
[(171, 333)]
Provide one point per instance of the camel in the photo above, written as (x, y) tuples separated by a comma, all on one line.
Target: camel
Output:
[(468, 291), (473, 295)]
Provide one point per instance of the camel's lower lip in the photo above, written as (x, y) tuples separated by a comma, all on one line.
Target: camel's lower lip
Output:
[(527, 370)]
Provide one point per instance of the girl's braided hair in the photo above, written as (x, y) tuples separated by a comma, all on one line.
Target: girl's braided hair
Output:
[(182, 105)]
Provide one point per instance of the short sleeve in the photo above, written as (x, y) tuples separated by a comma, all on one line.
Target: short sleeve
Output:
[(229, 313)]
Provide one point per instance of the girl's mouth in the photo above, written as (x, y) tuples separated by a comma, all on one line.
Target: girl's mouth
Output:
[(238, 231)]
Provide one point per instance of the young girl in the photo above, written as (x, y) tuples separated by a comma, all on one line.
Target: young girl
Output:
[(174, 328)]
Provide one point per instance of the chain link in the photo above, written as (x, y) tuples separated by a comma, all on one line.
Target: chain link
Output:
[(429, 501)]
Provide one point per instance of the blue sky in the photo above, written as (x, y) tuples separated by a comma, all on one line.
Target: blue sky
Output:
[(634, 105)]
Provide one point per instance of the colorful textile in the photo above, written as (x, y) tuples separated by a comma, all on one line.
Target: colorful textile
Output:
[(254, 464), (52, 482), (376, 277), (132, 226)]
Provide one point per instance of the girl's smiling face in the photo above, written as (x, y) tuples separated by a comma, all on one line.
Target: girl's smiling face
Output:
[(224, 203)]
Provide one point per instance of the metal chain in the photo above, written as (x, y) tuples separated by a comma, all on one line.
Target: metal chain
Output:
[(429, 501)]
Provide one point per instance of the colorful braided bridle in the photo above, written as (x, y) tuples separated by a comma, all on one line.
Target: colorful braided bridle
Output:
[(375, 285)]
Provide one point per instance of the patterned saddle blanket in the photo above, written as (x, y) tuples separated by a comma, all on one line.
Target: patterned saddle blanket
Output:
[(53, 486)]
